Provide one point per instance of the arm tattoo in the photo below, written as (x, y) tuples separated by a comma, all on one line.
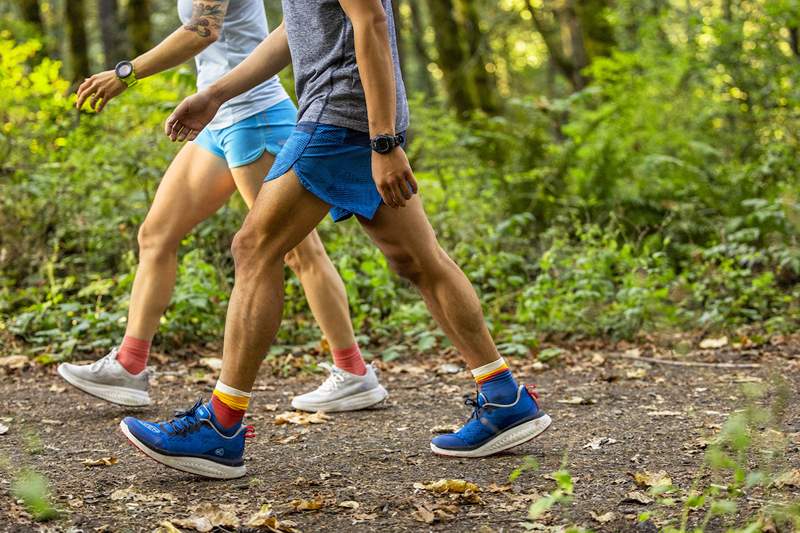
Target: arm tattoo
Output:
[(207, 16)]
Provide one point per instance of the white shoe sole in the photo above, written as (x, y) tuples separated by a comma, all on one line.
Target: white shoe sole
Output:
[(109, 393), (508, 439), (192, 465), (362, 400)]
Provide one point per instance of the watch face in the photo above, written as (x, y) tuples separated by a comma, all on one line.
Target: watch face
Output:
[(124, 69), (381, 144)]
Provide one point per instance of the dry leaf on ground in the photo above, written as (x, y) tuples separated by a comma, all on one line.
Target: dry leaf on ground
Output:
[(636, 373), (349, 504), (300, 418), (636, 496), (220, 515), (423, 514), (103, 461), (13, 361), (130, 494), (603, 518), (197, 523), (266, 519), (166, 527), (652, 479), (711, 344), (307, 505), (790, 478), (596, 443), (448, 485), (577, 400), (3, 429), (214, 363)]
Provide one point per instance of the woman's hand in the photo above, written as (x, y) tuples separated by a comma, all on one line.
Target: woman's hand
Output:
[(393, 177), (191, 116), (101, 88)]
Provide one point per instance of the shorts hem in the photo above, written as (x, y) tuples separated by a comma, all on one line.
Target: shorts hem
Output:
[(247, 161)]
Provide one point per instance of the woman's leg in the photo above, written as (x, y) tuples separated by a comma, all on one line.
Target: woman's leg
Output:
[(196, 184)]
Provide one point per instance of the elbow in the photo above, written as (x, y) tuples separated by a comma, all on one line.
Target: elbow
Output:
[(375, 19)]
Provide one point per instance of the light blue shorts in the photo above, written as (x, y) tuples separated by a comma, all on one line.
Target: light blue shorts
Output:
[(242, 143)]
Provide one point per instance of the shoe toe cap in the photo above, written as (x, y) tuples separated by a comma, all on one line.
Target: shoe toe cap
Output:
[(449, 441)]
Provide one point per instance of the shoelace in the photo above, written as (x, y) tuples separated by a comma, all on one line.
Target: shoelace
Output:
[(100, 363), (477, 408), (335, 378), (184, 421)]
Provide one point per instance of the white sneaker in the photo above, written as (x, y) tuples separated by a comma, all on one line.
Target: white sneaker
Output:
[(108, 380), (342, 391)]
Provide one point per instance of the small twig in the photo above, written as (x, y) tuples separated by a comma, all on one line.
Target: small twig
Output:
[(683, 363)]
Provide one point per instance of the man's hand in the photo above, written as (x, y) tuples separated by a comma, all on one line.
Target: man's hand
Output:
[(101, 88), (191, 116), (393, 177)]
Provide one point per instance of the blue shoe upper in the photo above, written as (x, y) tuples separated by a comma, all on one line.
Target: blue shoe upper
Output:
[(192, 433), (489, 420)]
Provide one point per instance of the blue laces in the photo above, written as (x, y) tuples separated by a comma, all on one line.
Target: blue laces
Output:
[(185, 421)]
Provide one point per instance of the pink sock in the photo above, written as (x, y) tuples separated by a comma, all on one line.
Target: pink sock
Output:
[(350, 360), (133, 354)]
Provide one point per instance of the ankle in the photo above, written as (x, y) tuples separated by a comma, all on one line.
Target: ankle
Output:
[(350, 360), (133, 354)]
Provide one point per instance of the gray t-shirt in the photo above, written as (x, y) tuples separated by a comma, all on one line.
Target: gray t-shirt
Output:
[(244, 27), (327, 83)]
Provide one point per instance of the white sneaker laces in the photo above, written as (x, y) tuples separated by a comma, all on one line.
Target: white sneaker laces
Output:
[(100, 363), (335, 379)]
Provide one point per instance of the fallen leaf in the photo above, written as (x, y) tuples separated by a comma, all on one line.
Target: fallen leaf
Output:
[(214, 363), (300, 418), (445, 428), (595, 444), (197, 523), (652, 479), (270, 407), (266, 519), (577, 400), (711, 344), (790, 478), (166, 527), (57, 388), (664, 413), (448, 485), (13, 361), (638, 497), (349, 504), (130, 494), (633, 352), (603, 518), (219, 515), (448, 368), (362, 517), (494, 487), (103, 461), (307, 505), (414, 370), (51, 422), (636, 373), (423, 514), (3, 429)]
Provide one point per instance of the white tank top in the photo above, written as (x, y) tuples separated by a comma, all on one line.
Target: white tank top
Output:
[(243, 29)]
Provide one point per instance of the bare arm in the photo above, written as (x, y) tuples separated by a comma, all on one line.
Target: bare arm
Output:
[(196, 111), (181, 45), (391, 171)]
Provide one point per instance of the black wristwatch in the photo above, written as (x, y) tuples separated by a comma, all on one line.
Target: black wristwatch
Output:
[(383, 144)]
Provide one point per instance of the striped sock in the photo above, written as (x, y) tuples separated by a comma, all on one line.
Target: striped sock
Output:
[(133, 354), (350, 360), (496, 382), (229, 405)]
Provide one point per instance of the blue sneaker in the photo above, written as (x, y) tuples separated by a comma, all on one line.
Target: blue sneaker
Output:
[(493, 427), (192, 442)]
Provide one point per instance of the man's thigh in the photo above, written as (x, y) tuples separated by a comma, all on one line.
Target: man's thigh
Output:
[(402, 231)]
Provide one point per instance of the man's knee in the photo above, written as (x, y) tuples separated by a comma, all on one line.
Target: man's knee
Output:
[(415, 267)]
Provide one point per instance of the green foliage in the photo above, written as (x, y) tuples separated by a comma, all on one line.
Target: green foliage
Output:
[(661, 197), (34, 491)]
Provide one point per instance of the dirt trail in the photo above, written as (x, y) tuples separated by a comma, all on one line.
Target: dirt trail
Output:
[(655, 415)]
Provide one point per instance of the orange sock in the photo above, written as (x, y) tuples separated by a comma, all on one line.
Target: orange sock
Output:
[(133, 354), (350, 360)]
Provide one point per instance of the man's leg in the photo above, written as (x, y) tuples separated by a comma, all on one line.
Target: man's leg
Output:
[(196, 184), (507, 414)]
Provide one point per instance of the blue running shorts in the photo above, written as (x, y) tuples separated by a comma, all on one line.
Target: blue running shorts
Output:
[(335, 165), (244, 142)]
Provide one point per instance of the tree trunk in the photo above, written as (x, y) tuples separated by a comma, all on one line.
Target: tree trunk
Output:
[(423, 59), (139, 25), (111, 32), (551, 35), (477, 58), (76, 33), (794, 40), (32, 13), (451, 57)]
